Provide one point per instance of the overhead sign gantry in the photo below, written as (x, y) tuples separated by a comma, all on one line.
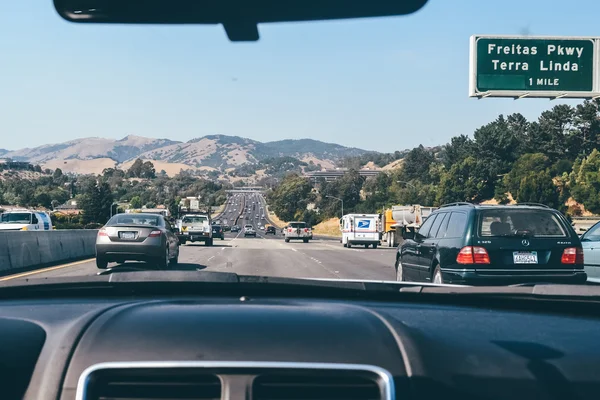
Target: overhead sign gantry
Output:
[(534, 66)]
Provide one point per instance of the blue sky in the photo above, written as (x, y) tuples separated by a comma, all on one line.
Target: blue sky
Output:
[(380, 84)]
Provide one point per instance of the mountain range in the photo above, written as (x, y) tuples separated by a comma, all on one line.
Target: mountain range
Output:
[(219, 153)]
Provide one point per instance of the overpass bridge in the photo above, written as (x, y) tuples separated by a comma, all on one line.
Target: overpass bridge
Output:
[(247, 189)]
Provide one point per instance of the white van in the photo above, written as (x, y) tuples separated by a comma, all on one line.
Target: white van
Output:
[(360, 229), (25, 220)]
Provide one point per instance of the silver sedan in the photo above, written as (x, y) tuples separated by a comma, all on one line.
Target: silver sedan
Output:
[(137, 237)]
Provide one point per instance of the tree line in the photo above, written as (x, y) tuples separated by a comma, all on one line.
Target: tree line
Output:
[(95, 194), (548, 161)]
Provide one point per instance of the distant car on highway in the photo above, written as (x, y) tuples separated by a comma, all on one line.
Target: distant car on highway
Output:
[(270, 230), (470, 244), (249, 231), (235, 228), (137, 237), (218, 232), (297, 230)]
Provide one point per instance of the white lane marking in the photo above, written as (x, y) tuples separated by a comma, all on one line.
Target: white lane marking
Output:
[(210, 258), (343, 248), (293, 249)]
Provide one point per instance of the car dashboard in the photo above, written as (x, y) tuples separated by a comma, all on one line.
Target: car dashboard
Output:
[(286, 347)]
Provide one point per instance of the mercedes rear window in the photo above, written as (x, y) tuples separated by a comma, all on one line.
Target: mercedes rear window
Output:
[(514, 222)]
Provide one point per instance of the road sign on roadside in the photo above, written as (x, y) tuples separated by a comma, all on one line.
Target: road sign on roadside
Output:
[(522, 66)]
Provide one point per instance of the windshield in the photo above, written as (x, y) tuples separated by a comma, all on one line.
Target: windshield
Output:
[(372, 148), (15, 218)]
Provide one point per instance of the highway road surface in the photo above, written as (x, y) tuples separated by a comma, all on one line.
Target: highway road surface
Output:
[(264, 255)]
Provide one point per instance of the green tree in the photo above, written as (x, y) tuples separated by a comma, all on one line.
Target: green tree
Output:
[(135, 171), (459, 148), (416, 165), (549, 134), (585, 181), (538, 187), (147, 170), (96, 202), (58, 177), (465, 181), (135, 202), (290, 198), (524, 167)]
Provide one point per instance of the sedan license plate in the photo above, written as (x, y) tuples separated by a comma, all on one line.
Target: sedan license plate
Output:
[(525, 257), (127, 235)]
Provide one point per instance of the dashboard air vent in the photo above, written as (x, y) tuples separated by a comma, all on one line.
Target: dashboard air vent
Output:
[(153, 385), (315, 387)]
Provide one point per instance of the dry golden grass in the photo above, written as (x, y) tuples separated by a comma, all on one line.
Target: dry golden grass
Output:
[(275, 219), (329, 227)]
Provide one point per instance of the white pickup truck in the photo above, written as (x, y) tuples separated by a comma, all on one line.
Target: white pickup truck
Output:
[(195, 228), (297, 230)]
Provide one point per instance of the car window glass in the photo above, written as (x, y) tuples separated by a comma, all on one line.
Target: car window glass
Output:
[(12, 218), (298, 225), (443, 226), (195, 220), (436, 225), (34, 219), (593, 234), (424, 230), (135, 219), (508, 222), (456, 225)]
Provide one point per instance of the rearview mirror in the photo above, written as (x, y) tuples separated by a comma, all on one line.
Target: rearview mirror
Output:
[(239, 17)]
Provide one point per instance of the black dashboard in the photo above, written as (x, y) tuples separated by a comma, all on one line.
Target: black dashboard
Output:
[(265, 347)]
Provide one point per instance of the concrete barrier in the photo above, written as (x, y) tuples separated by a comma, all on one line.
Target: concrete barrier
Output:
[(28, 249)]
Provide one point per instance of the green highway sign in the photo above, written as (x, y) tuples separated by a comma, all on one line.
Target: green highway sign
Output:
[(552, 67)]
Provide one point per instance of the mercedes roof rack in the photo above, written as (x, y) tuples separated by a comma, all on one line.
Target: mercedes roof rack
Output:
[(458, 203), (532, 204)]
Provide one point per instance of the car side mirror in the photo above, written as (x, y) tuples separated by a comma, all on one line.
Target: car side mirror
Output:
[(409, 235)]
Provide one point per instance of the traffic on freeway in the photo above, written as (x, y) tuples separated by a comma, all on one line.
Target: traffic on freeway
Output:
[(275, 200), (257, 254)]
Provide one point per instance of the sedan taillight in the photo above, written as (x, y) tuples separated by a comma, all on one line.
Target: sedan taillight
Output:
[(102, 232), (572, 255), (155, 233)]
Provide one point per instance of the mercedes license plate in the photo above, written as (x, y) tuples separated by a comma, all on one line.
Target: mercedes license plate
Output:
[(525, 257), (127, 235)]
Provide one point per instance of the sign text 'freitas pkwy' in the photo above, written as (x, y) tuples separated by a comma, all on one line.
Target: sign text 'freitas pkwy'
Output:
[(553, 67)]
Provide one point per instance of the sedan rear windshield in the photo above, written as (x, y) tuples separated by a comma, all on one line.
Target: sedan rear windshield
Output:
[(134, 220), (509, 222)]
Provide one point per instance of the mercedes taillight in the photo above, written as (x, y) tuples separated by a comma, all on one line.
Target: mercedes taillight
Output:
[(473, 255)]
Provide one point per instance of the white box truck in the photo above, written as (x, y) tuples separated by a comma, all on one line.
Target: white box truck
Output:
[(360, 229)]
